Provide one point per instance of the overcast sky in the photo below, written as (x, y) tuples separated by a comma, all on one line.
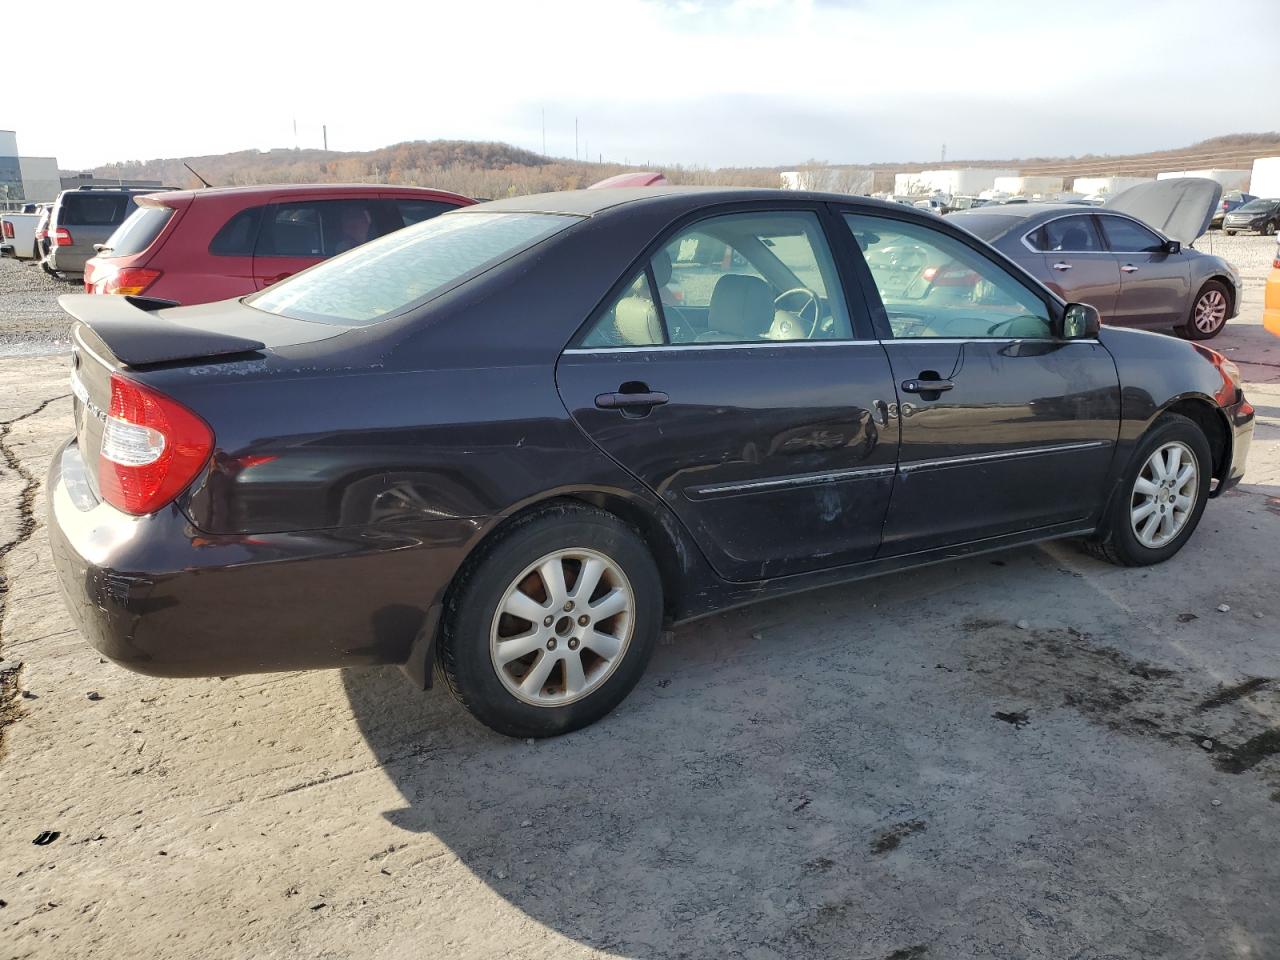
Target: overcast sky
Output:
[(714, 83)]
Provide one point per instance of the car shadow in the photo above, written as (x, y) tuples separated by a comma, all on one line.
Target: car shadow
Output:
[(751, 787)]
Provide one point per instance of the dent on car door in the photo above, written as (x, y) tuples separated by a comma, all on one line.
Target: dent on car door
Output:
[(1073, 262), (1154, 284), (1005, 427), (730, 376)]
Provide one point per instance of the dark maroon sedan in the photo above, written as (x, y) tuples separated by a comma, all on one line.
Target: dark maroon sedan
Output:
[(519, 438)]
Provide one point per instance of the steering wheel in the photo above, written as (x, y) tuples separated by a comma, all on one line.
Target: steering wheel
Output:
[(811, 300)]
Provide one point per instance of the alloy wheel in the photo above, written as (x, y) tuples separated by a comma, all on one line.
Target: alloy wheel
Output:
[(1164, 495), (1211, 311), (562, 627)]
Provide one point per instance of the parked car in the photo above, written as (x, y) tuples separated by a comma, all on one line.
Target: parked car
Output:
[(1271, 297), (196, 246), (1259, 216), (1120, 263), (1228, 203), (488, 440), (83, 218), (18, 232)]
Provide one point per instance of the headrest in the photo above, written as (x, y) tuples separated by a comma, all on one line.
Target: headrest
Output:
[(741, 305)]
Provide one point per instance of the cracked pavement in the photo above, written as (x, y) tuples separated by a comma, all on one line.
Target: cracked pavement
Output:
[(815, 777)]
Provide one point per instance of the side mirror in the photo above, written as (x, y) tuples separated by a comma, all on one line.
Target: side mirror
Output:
[(1080, 322), (1172, 246)]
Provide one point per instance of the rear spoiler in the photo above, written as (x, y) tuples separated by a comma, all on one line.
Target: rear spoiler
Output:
[(130, 329)]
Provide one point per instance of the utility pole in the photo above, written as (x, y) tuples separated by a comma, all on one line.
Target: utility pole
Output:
[(325, 129), (944, 151)]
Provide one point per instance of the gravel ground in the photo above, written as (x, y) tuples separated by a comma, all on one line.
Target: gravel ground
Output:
[(31, 322)]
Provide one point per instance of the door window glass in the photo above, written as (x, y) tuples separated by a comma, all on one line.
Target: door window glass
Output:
[(748, 278), (1125, 236), (319, 228), (632, 320), (1067, 235), (932, 285)]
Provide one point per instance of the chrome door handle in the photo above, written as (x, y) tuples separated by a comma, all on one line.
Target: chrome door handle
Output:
[(1061, 266), (1128, 268)]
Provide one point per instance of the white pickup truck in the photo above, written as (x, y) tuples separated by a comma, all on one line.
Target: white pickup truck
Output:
[(18, 234)]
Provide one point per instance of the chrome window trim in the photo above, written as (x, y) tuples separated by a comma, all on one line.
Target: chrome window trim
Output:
[(747, 344), (943, 462), (1097, 212), (782, 483), (751, 345)]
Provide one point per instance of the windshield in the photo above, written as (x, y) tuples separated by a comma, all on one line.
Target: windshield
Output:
[(1255, 206), (405, 269)]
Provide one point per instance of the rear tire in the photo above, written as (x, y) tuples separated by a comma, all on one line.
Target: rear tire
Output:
[(1229, 233), (1208, 312), (1152, 515), (1269, 228), (563, 665)]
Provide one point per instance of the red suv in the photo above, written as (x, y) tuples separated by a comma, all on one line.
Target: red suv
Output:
[(197, 246)]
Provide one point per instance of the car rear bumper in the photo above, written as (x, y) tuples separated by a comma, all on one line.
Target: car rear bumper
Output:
[(66, 259), (156, 595)]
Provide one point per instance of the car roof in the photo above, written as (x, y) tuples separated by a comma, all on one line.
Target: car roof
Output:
[(304, 189), (586, 203)]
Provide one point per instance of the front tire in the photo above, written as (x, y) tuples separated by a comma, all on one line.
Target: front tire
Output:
[(1269, 228), (1161, 496), (1208, 312), (550, 626)]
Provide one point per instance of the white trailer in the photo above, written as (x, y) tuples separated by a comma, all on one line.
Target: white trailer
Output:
[(1265, 181), (1027, 186), (1105, 186), (965, 181), (1230, 179)]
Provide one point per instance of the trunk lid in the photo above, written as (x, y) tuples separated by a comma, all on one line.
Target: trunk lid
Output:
[(1180, 207), (128, 335)]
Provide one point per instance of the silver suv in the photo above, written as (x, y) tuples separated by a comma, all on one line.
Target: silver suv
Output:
[(83, 217)]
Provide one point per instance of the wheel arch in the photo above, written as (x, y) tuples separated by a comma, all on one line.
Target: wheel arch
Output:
[(1207, 415), (675, 554)]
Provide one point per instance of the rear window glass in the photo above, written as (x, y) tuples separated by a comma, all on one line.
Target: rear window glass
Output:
[(415, 211), (94, 209), (138, 232), (988, 226), (394, 273)]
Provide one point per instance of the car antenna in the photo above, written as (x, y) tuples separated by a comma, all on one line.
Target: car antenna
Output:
[(196, 175)]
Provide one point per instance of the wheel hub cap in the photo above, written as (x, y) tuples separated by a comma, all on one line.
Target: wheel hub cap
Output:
[(1211, 311), (1164, 495), (562, 627)]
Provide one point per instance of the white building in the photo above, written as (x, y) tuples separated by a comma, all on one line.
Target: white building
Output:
[(25, 179), (1265, 180), (1029, 186), (967, 181), (1105, 186), (833, 179), (1230, 179)]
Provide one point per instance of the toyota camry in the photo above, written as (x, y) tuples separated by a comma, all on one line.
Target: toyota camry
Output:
[(518, 440)]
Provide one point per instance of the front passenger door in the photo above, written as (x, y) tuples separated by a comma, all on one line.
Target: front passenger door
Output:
[(1155, 285), (1005, 427)]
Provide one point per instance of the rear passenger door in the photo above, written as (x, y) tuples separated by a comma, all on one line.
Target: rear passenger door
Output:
[(730, 376), (297, 234)]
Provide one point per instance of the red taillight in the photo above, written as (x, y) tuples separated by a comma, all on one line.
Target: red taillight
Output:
[(129, 281), (8, 229), (152, 448), (62, 237)]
